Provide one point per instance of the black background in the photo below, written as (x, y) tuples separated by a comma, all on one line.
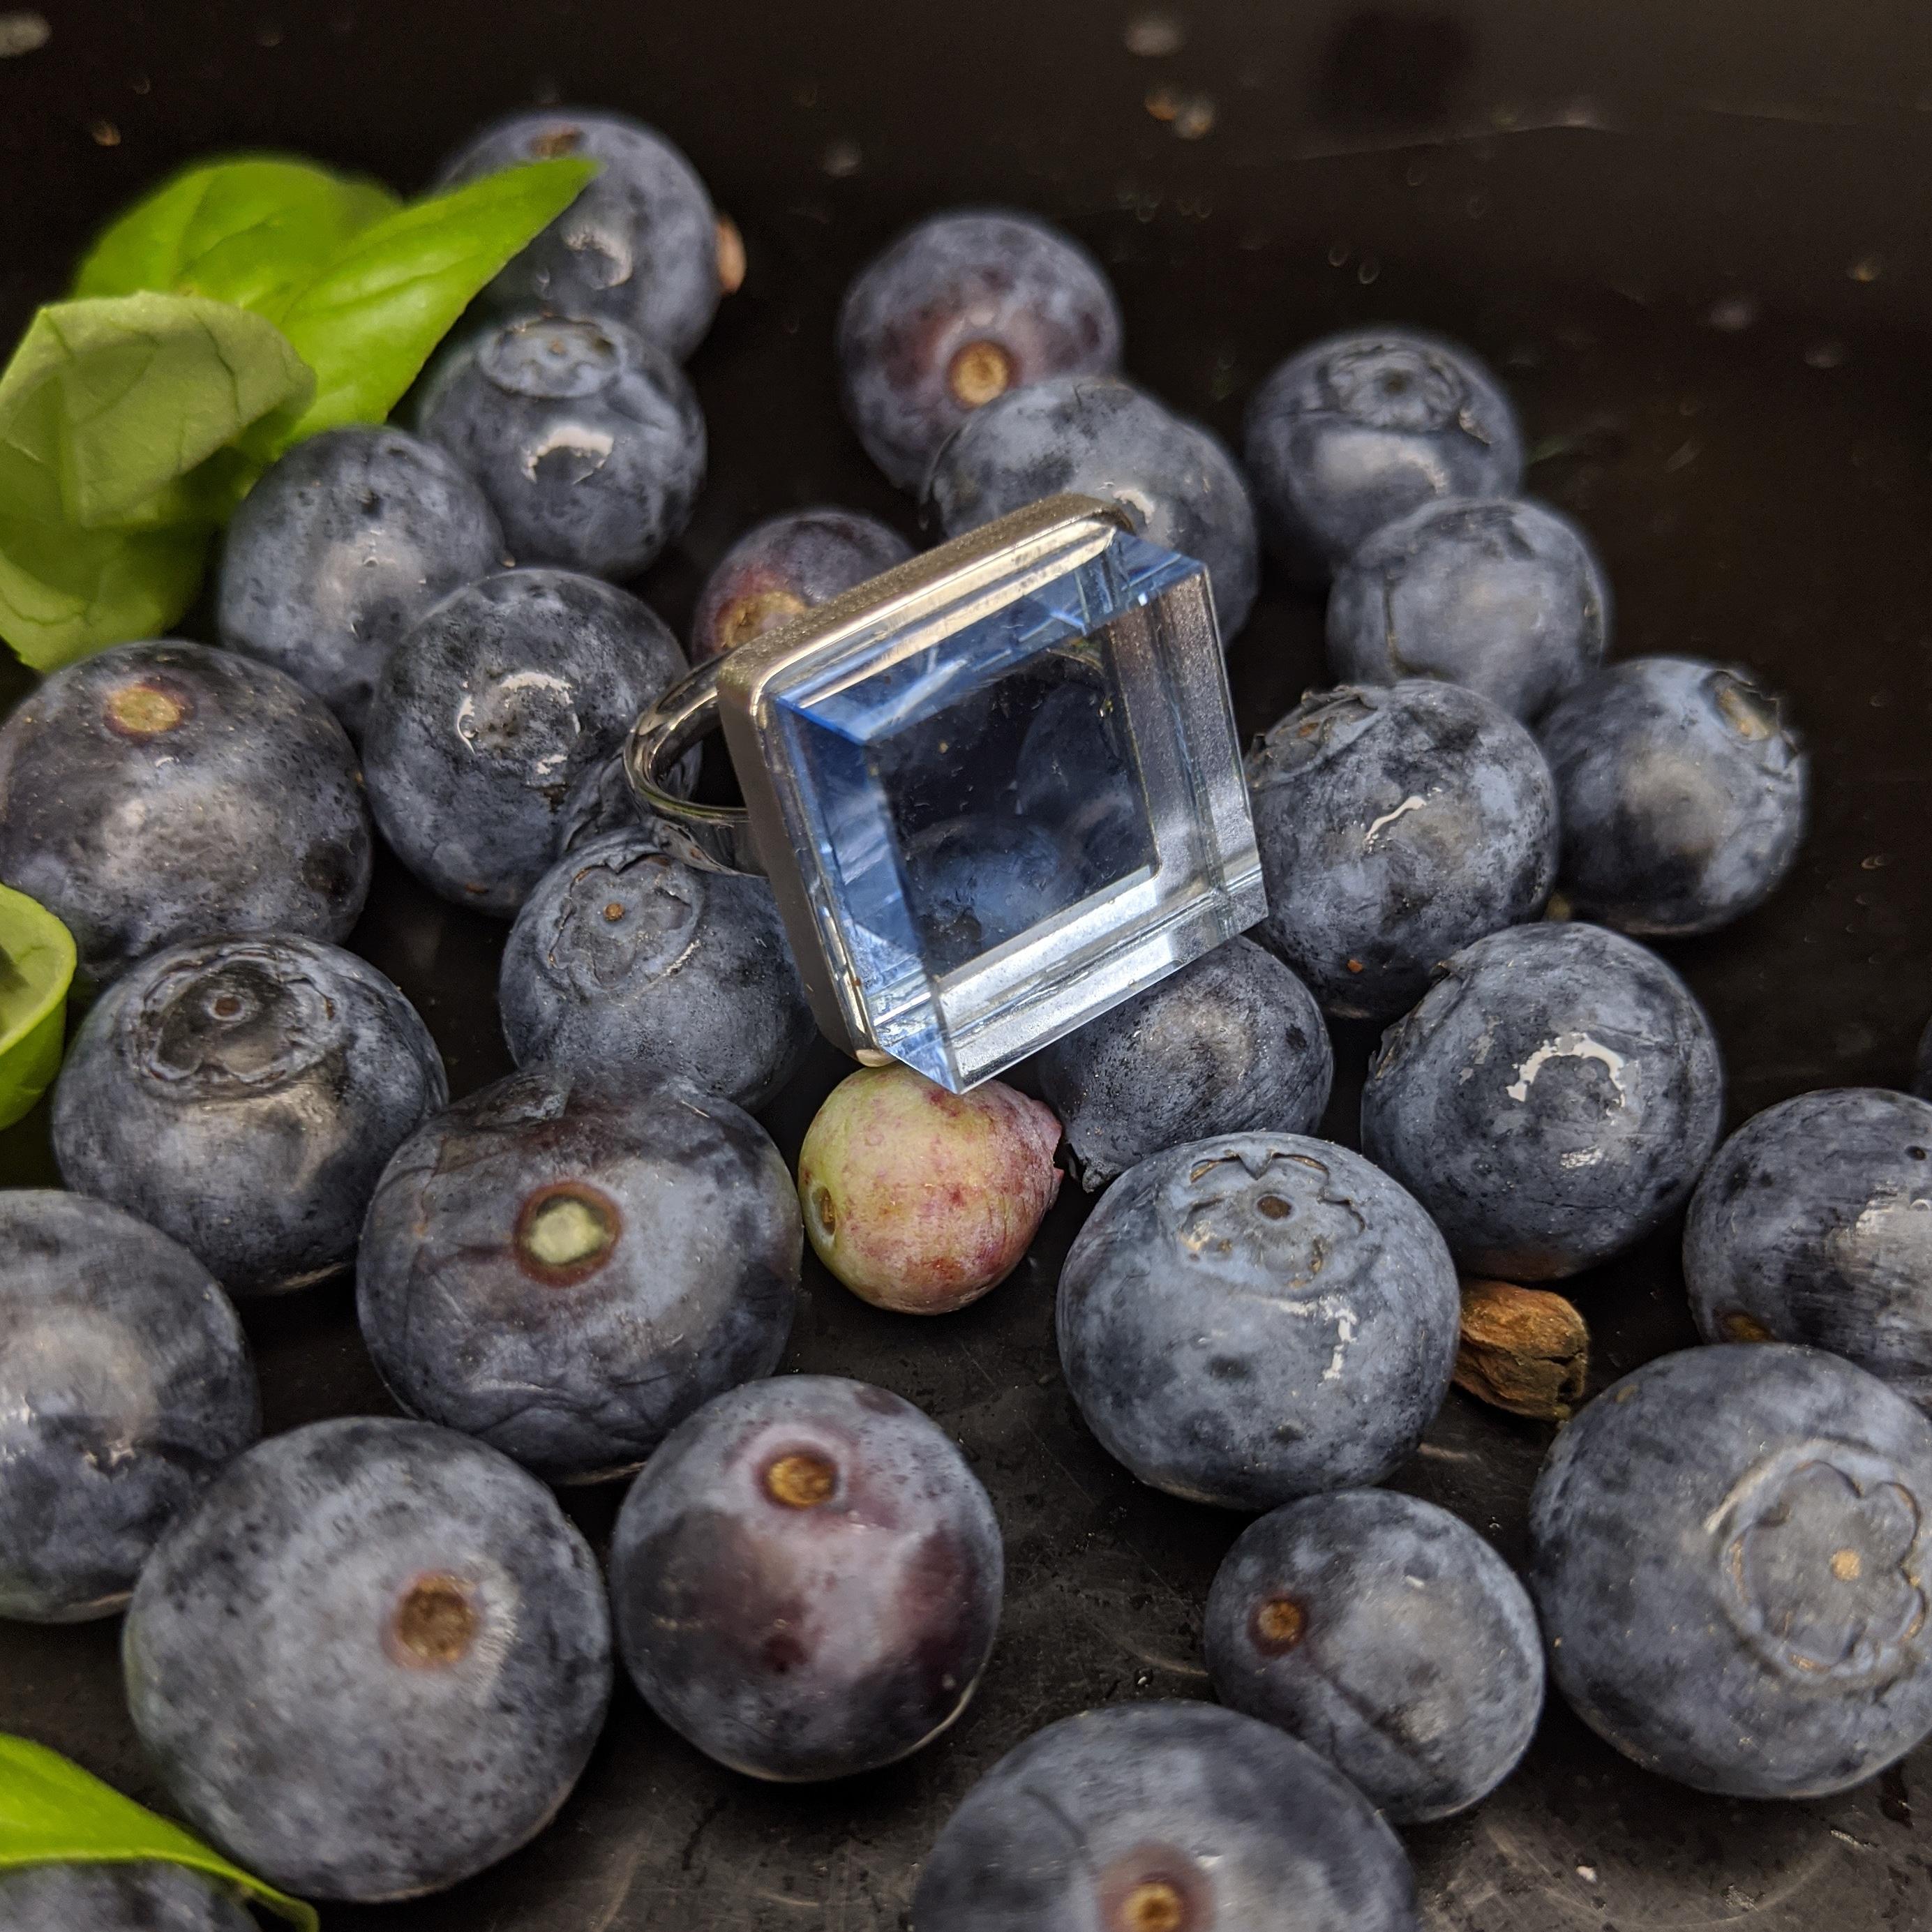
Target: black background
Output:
[(1693, 239)]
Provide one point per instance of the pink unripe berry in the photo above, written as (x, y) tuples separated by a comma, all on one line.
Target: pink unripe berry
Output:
[(920, 1200)]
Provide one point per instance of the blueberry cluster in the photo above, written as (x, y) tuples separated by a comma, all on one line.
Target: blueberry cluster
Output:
[(588, 1271)]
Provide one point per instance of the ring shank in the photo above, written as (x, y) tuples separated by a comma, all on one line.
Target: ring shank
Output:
[(686, 714)]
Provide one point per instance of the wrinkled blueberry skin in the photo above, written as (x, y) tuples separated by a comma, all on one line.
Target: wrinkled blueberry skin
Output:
[(1232, 1043), (1729, 1548), (1256, 1318), (1505, 597), (1358, 430), (345, 542), (600, 800), (962, 309), (577, 1361), (489, 712), (1386, 1634), (786, 565), (1179, 1814), (242, 1096), (639, 246), (807, 1632), (1107, 439), (588, 441), (124, 1385), (372, 1662), (118, 1898), (1682, 791), (626, 957), (160, 792), (1552, 1098), (1396, 824), (1813, 1224)]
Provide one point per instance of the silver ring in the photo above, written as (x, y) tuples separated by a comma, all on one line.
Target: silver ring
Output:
[(683, 717), (879, 736)]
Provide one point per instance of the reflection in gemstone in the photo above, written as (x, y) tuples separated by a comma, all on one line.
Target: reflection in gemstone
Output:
[(1074, 774), (1011, 806), (974, 883)]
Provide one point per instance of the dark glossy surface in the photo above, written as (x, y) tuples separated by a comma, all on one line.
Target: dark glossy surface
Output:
[(1592, 197)]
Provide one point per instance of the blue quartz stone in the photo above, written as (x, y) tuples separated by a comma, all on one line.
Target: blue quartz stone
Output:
[(967, 785)]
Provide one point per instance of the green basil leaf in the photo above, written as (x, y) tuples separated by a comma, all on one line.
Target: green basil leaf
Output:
[(36, 969), (53, 1813), (66, 591), (367, 323), (108, 400), (251, 231)]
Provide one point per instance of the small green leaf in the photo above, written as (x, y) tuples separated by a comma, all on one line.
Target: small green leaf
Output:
[(251, 231), (53, 1813), (115, 415), (66, 593), (367, 323), (108, 400), (36, 969)]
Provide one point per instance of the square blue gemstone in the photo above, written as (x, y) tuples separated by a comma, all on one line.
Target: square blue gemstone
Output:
[(980, 787)]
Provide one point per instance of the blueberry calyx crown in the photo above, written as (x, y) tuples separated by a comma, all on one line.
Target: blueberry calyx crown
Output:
[(566, 1232), (1154, 1889), (801, 1479), (1279, 1624), (436, 1623), (142, 708), (1821, 1549), (978, 371), (754, 613)]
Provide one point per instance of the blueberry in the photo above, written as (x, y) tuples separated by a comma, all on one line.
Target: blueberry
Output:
[(1107, 439), (806, 1578), (958, 311), (922, 1201), (242, 1095), (1813, 1224), (124, 1385), (489, 712), (640, 245), (975, 881), (1232, 1043), (1358, 430), (1506, 598), (1682, 793), (1385, 1634), (1728, 1551), (118, 1898), (339, 548), (784, 565), (1165, 1817), (628, 957), (1396, 824), (565, 1267), (1258, 1317), (372, 1662), (160, 792), (588, 441), (1552, 1098)]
